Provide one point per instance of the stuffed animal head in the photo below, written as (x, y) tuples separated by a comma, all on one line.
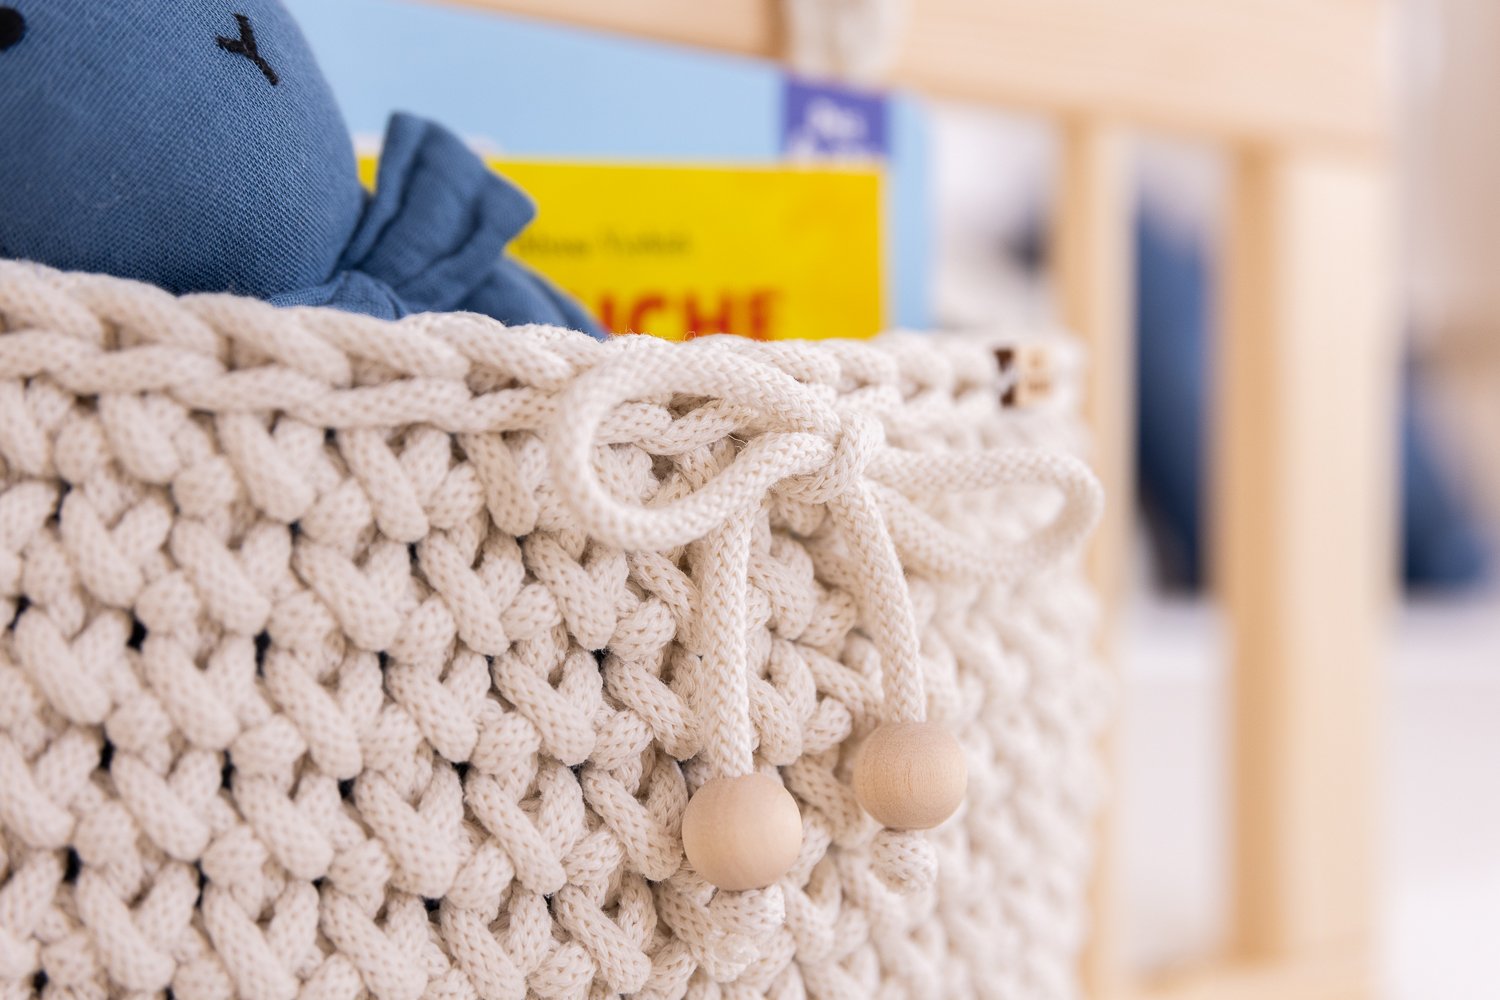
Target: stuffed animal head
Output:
[(193, 144)]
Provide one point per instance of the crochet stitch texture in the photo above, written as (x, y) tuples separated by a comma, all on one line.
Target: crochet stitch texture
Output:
[(319, 681)]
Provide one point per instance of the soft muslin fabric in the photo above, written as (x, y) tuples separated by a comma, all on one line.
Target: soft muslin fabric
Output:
[(196, 145)]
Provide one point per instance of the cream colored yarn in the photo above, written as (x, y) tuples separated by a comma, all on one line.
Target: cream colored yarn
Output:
[(351, 658)]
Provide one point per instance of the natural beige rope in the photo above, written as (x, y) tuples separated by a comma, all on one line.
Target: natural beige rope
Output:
[(812, 453), (350, 657)]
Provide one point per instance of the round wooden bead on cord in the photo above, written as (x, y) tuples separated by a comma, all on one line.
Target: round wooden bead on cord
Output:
[(742, 833), (910, 775)]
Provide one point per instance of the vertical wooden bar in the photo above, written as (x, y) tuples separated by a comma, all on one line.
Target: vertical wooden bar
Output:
[(1093, 271), (1304, 538)]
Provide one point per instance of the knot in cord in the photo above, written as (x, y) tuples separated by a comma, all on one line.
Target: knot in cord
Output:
[(798, 443), (860, 437)]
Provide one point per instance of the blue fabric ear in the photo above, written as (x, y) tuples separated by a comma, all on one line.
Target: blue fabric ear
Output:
[(515, 294), (433, 239), (439, 219), (134, 142)]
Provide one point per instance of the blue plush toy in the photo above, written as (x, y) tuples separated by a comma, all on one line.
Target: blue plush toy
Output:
[(194, 144)]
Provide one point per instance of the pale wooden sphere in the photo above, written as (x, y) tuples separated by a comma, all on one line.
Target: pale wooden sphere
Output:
[(742, 833), (910, 775)]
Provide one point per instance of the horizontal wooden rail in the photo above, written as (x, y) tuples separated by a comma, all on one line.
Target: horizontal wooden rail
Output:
[(1301, 71), (1334, 977)]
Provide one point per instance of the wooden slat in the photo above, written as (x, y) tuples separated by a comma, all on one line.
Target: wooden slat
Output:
[(1305, 539), (746, 27), (1324, 978), (1094, 270), (1093, 273), (1303, 70)]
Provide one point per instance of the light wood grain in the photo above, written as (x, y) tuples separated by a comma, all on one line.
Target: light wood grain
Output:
[(1305, 539), (1303, 70), (910, 775), (1093, 273), (1319, 978), (742, 832), (746, 27)]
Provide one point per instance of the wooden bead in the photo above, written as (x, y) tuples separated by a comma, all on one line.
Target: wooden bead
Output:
[(742, 833), (910, 775)]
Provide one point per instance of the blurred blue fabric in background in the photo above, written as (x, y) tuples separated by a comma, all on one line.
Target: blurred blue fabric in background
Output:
[(1441, 544)]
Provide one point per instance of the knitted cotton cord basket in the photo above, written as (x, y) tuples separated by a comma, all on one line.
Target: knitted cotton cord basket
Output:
[(351, 658)]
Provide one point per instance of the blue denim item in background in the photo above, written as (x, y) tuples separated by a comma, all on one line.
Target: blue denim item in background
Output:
[(1441, 541), (195, 145)]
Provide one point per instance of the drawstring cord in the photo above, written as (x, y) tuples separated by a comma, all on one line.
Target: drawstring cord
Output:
[(811, 451)]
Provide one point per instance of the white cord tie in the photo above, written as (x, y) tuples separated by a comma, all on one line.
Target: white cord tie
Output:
[(809, 452)]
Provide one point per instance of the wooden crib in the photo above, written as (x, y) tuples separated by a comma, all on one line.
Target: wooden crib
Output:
[(1296, 95)]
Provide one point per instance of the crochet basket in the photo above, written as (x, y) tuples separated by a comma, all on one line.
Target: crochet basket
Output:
[(350, 658)]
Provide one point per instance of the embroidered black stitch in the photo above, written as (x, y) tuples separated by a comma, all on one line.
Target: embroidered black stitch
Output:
[(245, 46), (262, 646), (12, 27)]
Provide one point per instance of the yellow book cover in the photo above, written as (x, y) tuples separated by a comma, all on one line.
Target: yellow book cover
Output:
[(773, 253)]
